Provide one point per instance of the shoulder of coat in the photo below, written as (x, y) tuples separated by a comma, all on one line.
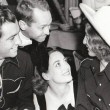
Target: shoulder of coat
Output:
[(86, 62)]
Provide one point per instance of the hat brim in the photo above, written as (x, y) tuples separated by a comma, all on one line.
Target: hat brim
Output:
[(90, 13)]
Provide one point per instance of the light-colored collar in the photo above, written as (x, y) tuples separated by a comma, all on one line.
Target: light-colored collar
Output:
[(25, 40), (11, 60)]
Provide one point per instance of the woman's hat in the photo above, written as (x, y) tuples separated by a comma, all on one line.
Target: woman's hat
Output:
[(99, 19)]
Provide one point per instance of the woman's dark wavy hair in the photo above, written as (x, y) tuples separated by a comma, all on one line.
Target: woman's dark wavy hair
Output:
[(6, 16), (40, 85), (99, 46)]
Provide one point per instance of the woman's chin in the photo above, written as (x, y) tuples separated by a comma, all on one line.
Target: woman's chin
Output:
[(92, 54)]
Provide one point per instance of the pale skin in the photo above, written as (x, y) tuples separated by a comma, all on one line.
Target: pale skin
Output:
[(58, 75), (39, 29), (9, 40)]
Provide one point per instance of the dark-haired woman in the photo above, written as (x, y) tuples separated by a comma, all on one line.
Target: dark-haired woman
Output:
[(55, 82)]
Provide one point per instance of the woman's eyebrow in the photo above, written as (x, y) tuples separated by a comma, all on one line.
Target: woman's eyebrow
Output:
[(56, 62)]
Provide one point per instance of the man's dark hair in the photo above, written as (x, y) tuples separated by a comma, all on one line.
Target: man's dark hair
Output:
[(6, 16)]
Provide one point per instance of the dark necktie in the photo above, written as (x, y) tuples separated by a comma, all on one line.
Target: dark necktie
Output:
[(62, 107), (70, 107)]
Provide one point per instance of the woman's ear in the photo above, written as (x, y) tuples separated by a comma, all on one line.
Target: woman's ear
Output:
[(22, 25), (45, 76)]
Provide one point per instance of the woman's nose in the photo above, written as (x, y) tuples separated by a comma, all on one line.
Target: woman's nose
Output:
[(84, 40), (66, 65)]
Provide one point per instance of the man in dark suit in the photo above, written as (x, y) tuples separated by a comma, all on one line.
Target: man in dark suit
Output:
[(34, 19), (16, 68)]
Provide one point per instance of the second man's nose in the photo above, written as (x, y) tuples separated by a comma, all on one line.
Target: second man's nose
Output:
[(46, 30), (18, 40)]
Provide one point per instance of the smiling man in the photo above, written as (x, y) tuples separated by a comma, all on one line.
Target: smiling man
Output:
[(15, 66), (34, 20)]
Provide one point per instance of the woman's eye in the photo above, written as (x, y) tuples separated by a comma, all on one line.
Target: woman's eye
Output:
[(58, 64), (66, 59)]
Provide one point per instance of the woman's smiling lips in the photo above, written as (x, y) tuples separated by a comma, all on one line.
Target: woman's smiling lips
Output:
[(67, 73)]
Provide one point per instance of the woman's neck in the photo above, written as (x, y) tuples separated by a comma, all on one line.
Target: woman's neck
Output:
[(103, 65), (59, 90)]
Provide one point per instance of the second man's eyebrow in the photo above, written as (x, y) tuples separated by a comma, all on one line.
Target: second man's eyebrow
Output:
[(44, 25), (12, 36)]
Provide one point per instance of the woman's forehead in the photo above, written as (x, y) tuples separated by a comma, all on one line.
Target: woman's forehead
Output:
[(56, 55)]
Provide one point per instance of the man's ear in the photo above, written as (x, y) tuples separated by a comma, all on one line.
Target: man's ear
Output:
[(22, 25), (45, 76)]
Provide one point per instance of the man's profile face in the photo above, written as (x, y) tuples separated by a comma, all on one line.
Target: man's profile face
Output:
[(39, 29), (9, 40)]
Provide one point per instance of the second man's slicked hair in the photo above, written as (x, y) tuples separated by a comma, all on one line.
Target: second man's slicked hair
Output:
[(24, 10)]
